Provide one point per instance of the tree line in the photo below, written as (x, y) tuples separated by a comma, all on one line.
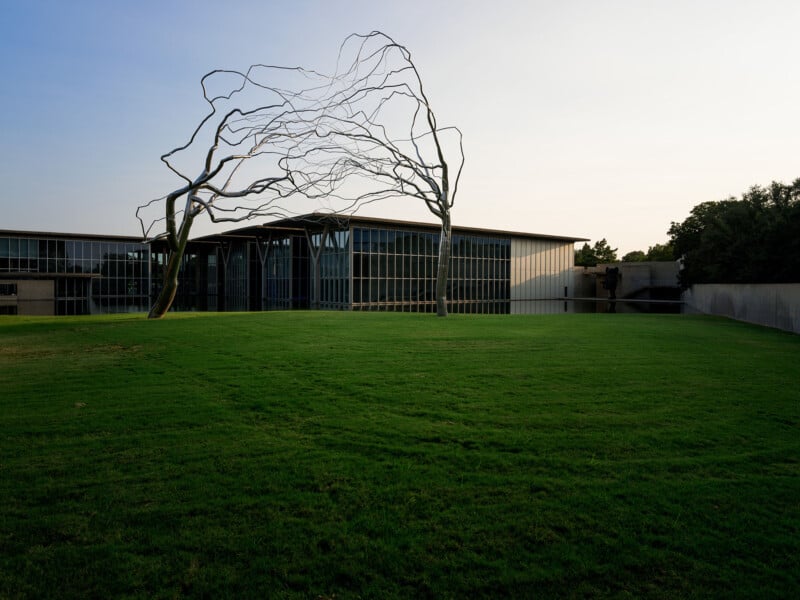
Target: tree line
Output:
[(753, 239), (601, 253)]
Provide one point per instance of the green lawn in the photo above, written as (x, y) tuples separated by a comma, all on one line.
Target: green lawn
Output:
[(365, 455)]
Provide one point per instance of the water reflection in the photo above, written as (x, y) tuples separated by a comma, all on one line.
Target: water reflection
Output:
[(595, 305), (603, 305)]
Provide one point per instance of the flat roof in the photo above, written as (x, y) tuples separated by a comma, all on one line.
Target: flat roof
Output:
[(70, 236), (299, 223), (47, 275)]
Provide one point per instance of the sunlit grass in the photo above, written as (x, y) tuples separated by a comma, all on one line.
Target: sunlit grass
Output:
[(313, 454)]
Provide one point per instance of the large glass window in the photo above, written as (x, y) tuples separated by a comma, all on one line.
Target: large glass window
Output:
[(278, 274), (396, 270), (236, 280), (334, 269), (114, 283)]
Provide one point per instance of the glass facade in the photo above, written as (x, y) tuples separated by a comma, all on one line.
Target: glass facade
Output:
[(278, 275), (306, 263), (197, 279), (334, 270), (296, 275), (91, 275), (395, 269), (347, 268), (479, 274), (235, 268)]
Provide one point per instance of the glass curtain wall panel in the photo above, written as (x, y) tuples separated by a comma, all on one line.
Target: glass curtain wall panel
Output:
[(197, 278), (278, 275), (236, 277), (287, 272), (301, 273), (334, 263), (479, 274), (91, 275), (395, 269)]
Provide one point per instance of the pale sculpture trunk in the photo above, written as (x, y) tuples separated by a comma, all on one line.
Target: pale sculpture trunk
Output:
[(167, 294), (442, 268), (170, 288)]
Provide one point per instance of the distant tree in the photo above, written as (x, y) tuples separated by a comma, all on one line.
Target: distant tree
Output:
[(604, 252), (585, 257), (635, 256), (657, 253), (660, 252), (591, 256), (752, 240)]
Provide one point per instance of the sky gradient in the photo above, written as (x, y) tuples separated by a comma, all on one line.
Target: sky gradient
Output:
[(594, 119)]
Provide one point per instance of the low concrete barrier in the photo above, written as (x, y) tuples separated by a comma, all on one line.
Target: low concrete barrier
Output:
[(773, 305)]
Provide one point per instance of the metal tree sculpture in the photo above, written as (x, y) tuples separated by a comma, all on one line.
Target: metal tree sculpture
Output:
[(249, 139), (343, 140), (378, 138)]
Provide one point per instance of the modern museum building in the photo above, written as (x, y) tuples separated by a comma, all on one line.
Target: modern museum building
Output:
[(318, 261)]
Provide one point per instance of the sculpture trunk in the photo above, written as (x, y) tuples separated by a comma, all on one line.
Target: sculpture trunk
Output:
[(169, 289), (443, 267)]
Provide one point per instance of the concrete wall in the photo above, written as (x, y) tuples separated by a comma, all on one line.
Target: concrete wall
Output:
[(772, 305), (34, 296), (584, 282), (635, 279)]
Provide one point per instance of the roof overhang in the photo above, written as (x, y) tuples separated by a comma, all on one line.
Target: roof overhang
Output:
[(317, 221)]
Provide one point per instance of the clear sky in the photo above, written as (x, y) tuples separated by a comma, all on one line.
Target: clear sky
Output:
[(598, 119)]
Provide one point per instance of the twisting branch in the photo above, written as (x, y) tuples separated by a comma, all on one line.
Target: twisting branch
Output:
[(365, 133), (379, 138)]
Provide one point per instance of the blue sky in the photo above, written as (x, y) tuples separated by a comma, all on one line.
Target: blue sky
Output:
[(595, 119)]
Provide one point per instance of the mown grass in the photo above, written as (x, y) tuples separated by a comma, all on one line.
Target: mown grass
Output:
[(321, 455)]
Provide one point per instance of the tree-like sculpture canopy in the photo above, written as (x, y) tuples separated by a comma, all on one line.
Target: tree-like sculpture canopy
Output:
[(276, 135)]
